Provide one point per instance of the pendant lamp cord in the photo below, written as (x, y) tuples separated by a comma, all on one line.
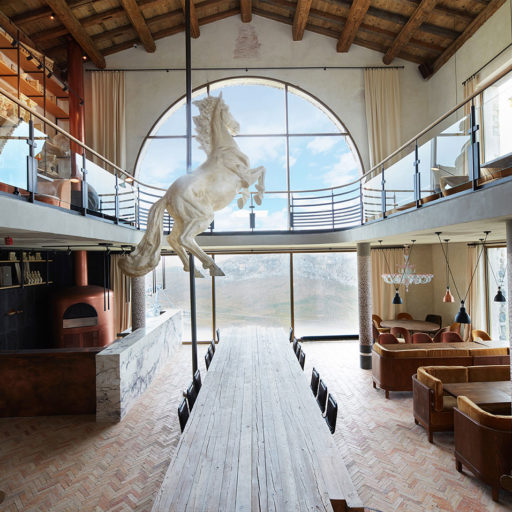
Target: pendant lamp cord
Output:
[(445, 253), (385, 259), (447, 273), (407, 263), (498, 283), (483, 240)]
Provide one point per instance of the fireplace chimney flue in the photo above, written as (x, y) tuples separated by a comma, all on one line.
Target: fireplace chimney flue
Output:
[(81, 278)]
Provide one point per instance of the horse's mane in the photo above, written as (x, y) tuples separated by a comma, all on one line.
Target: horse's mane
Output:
[(203, 121)]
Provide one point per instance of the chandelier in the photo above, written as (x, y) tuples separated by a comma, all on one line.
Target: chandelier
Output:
[(406, 274)]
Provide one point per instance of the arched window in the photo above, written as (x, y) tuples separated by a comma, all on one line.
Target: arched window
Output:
[(302, 144)]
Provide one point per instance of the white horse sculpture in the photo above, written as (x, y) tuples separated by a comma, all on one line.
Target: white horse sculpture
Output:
[(193, 198)]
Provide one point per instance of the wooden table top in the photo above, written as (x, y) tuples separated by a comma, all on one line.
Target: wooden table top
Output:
[(412, 325), (482, 393), (256, 440)]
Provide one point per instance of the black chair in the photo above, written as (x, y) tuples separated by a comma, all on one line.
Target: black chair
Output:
[(299, 348), (294, 345), (331, 413), (315, 380), (197, 381), (191, 395), (291, 334), (207, 359), (302, 358), (218, 335), (435, 319), (322, 395), (212, 344), (183, 414)]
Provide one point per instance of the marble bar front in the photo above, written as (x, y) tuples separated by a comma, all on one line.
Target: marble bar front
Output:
[(125, 369)]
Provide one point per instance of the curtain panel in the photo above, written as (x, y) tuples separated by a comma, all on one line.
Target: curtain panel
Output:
[(383, 293), (477, 295), (105, 115), (122, 297), (382, 101)]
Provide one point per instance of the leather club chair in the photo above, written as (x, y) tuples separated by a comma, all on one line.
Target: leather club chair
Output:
[(401, 332)]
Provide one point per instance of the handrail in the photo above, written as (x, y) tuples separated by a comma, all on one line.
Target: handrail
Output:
[(483, 86)]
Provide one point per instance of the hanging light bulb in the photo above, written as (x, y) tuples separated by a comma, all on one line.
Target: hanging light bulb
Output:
[(500, 297), (397, 299), (462, 317)]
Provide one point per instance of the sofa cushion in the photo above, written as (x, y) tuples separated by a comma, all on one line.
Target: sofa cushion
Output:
[(449, 402), (488, 373), (497, 351), (449, 374), (495, 421), (398, 351)]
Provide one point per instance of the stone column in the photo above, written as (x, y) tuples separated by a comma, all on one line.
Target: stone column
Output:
[(138, 302), (364, 290), (508, 294)]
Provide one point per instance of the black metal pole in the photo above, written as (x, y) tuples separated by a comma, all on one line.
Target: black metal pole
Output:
[(188, 74)]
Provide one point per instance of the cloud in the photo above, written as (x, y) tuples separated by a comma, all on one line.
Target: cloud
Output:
[(233, 219), (346, 169), (322, 144)]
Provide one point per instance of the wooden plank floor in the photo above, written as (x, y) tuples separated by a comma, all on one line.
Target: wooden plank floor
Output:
[(256, 439)]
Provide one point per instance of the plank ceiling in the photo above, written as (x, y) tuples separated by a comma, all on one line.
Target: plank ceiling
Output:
[(426, 32)]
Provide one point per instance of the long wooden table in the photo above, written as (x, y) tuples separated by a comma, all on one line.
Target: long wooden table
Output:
[(411, 325), (256, 440), (495, 393)]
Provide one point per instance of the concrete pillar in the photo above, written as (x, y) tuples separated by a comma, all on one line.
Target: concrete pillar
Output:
[(364, 291), (508, 295), (138, 302)]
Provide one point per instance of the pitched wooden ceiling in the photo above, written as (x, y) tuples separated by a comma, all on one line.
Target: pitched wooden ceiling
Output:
[(427, 32)]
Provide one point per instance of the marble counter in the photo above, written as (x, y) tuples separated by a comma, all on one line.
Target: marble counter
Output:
[(125, 369)]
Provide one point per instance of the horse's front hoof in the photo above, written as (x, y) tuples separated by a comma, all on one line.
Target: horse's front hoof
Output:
[(257, 199), (240, 203), (198, 273), (216, 271)]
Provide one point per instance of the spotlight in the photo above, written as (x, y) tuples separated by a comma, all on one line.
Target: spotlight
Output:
[(49, 75), (14, 42), (81, 101), (69, 251), (65, 88), (30, 56), (84, 57), (52, 16), (39, 66)]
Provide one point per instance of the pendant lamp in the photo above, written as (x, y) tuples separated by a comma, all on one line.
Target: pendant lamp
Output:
[(462, 317), (500, 296), (448, 297), (397, 299)]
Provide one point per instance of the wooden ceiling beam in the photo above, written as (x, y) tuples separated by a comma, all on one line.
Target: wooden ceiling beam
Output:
[(419, 16), (194, 22), (64, 13), (43, 12), (356, 14), (428, 70), (14, 31), (246, 10), (139, 24), (300, 19)]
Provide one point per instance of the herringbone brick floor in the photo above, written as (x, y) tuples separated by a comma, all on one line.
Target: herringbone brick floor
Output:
[(68, 464)]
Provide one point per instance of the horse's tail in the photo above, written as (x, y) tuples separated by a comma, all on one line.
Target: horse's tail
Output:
[(146, 255)]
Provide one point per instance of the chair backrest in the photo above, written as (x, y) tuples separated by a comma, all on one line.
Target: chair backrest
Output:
[(438, 334), (331, 413), (435, 319), (191, 395), (197, 381), (297, 351), (401, 332), (377, 319), (212, 345), (404, 316), (387, 338), (478, 334), (375, 332), (315, 380), (218, 335), (302, 358), (207, 359), (183, 414), (421, 337), (210, 351), (321, 398), (294, 345), (455, 327), (451, 337)]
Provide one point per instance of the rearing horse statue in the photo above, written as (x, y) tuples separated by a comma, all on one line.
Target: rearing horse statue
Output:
[(193, 198)]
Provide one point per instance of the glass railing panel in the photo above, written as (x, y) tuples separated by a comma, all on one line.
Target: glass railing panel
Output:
[(496, 127), (272, 214), (372, 196), (400, 181), (14, 131)]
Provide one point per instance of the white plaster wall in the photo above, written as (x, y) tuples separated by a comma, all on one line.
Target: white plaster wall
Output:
[(148, 95), (445, 88)]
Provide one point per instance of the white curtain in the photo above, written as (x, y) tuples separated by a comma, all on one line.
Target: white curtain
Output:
[(382, 100), (383, 293), (477, 295), (105, 115)]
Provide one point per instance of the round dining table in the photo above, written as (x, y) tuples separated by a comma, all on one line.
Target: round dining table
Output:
[(412, 325)]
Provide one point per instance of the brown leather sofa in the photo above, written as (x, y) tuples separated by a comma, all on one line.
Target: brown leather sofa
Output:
[(431, 407), (483, 443), (394, 365)]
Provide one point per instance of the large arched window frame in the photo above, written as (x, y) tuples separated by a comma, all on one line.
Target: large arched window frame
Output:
[(300, 141)]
